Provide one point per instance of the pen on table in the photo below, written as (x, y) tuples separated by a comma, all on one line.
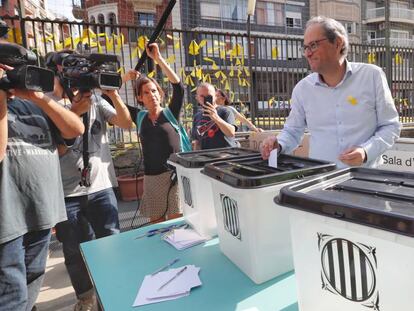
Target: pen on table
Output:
[(166, 266), (147, 233), (160, 230), (173, 278)]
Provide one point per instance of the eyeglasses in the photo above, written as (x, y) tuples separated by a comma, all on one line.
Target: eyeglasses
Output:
[(312, 47)]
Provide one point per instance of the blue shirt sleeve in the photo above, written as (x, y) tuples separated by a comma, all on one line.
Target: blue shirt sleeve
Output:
[(294, 128), (388, 125)]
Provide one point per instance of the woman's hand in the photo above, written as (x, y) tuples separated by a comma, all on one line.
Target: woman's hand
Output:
[(153, 51)]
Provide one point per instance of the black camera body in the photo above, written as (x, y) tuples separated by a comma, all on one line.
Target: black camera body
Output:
[(89, 72), (25, 74)]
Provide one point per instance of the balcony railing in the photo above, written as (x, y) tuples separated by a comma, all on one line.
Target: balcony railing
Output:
[(395, 13), (400, 42)]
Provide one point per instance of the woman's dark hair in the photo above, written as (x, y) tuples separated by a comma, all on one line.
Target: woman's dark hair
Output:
[(226, 98), (145, 80)]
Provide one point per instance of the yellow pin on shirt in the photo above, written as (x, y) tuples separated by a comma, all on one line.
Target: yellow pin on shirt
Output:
[(352, 100)]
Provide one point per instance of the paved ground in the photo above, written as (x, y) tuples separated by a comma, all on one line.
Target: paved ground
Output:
[(57, 293)]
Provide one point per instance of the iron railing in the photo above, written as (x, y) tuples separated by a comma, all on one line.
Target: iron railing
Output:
[(220, 58)]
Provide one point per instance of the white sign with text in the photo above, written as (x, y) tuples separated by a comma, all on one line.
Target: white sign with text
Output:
[(398, 160)]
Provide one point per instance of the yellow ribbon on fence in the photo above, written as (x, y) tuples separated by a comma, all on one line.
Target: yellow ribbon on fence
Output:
[(12, 33), (398, 59), (170, 59), (275, 52), (193, 48), (371, 58), (141, 42), (207, 78)]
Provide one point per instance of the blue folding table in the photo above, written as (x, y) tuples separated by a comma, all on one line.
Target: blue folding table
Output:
[(118, 265)]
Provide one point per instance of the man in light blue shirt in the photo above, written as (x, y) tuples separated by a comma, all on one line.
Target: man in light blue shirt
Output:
[(347, 107)]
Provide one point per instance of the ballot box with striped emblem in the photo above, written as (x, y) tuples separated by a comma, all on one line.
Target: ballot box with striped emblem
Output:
[(353, 240), (194, 188), (254, 234)]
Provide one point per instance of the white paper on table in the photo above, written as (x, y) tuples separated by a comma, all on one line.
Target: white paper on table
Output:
[(183, 238), (177, 288), (273, 158), (181, 235)]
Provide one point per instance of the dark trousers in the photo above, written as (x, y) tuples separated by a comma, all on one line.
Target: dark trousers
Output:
[(22, 269), (90, 216)]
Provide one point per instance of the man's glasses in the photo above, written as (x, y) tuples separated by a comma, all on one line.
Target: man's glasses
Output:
[(312, 47)]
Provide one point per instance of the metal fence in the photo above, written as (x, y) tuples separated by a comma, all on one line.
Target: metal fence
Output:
[(267, 74)]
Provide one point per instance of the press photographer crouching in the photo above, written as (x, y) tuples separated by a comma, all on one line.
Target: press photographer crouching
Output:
[(87, 170), (31, 198)]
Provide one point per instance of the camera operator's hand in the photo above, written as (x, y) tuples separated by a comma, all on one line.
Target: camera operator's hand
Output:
[(32, 96), (110, 93), (81, 103), (67, 122), (3, 68), (130, 75), (153, 51), (122, 118), (113, 95), (3, 97)]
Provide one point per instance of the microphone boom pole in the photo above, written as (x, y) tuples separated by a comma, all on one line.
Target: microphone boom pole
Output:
[(156, 32)]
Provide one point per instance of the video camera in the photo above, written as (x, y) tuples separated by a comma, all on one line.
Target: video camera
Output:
[(89, 72), (25, 74)]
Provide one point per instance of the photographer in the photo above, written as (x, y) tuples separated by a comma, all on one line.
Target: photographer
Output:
[(213, 125), (223, 100), (92, 209), (31, 196)]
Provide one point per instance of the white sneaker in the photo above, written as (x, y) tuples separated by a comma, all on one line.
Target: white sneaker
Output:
[(85, 304)]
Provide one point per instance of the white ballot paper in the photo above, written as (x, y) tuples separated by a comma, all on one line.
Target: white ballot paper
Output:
[(168, 285), (183, 238), (273, 158)]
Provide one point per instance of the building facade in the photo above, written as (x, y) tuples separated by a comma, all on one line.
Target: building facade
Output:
[(9, 7), (401, 22), (34, 33), (123, 12), (347, 12)]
